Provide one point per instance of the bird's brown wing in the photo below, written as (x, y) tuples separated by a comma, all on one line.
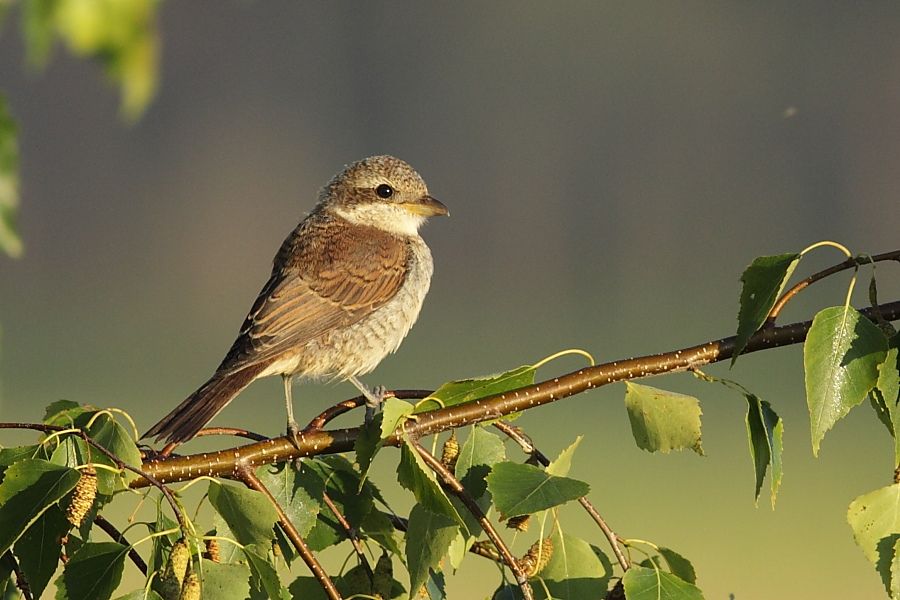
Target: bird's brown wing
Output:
[(324, 277)]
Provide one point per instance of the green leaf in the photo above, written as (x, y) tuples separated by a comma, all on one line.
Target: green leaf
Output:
[(763, 282), (520, 489), (307, 588), (875, 516), (574, 570), (563, 462), (417, 477), (295, 492), (141, 594), (122, 37), (93, 572), (108, 433), (38, 29), (642, 583), (38, 549), (765, 431), (62, 412), (394, 412), (470, 390), (679, 565), (894, 589), (248, 513), (889, 375), (481, 450), (428, 538), (29, 488), (840, 358), (355, 501), (368, 443), (10, 242), (662, 421), (265, 573), (224, 581), (435, 586)]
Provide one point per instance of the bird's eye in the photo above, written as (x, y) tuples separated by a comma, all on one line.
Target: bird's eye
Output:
[(384, 191)]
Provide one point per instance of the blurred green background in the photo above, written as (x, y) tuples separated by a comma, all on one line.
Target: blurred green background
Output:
[(611, 167)]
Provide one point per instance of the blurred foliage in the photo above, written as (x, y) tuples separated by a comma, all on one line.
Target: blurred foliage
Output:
[(9, 182), (119, 34)]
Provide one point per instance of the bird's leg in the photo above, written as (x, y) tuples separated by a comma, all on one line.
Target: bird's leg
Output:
[(292, 428), (374, 397)]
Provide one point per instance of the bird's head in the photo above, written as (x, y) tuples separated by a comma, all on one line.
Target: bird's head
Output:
[(382, 192)]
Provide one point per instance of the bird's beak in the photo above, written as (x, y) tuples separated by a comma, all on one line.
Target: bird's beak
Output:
[(427, 206)]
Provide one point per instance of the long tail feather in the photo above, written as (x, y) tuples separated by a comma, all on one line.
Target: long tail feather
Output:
[(199, 408)]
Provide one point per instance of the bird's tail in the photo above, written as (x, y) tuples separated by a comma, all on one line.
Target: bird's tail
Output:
[(199, 408)]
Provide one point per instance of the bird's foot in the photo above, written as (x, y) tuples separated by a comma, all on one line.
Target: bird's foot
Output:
[(294, 433), (374, 399)]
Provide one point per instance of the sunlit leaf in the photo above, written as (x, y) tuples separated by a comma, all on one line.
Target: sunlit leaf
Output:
[(469, 390), (662, 421), (248, 513), (763, 282), (642, 583), (480, 450), (295, 491), (520, 489), (574, 570), (108, 433), (679, 565), (417, 477), (563, 462), (840, 358), (873, 517)]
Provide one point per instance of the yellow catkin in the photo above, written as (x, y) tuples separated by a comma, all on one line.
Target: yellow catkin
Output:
[(450, 452), (178, 560), (83, 496), (191, 588), (537, 557), (519, 523)]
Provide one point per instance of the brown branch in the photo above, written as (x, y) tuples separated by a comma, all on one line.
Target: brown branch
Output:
[(515, 434), (850, 263), (249, 478), (224, 463), (351, 534), (117, 536), (455, 487)]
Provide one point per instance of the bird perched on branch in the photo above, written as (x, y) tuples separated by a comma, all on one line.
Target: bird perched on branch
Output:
[(346, 286)]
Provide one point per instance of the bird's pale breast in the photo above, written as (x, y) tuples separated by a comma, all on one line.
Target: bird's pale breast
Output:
[(358, 348)]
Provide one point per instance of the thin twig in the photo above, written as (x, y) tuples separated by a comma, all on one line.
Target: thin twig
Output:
[(247, 475), (117, 536), (351, 534), (21, 581), (332, 412), (454, 485), (224, 463), (850, 263), (235, 431), (527, 445)]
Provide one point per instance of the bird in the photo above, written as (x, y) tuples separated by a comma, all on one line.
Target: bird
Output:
[(347, 284)]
